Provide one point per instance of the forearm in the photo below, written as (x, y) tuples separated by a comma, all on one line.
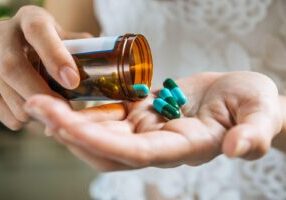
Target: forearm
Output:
[(74, 15), (279, 141)]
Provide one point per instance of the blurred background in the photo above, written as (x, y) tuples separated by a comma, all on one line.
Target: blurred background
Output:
[(33, 166)]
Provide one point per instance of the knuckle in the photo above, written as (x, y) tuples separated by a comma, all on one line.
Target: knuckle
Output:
[(14, 125), (22, 116), (8, 63), (27, 9), (34, 25), (18, 111)]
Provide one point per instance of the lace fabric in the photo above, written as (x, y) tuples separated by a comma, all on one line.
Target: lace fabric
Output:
[(189, 36)]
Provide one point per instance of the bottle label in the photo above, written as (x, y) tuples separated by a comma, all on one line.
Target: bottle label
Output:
[(91, 45)]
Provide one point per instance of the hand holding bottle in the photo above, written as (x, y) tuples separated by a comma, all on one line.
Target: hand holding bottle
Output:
[(31, 28)]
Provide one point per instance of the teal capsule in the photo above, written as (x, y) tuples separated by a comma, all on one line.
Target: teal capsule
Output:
[(166, 109), (141, 90), (166, 95), (177, 93)]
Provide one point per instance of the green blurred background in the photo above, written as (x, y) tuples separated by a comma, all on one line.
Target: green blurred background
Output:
[(9, 7), (33, 166)]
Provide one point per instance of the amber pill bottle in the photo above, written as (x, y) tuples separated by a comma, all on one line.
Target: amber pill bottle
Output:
[(109, 68)]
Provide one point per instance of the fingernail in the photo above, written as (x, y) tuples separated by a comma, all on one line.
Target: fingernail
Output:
[(69, 77), (38, 114), (242, 148)]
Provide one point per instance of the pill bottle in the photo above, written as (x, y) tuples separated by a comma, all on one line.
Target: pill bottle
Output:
[(109, 67)]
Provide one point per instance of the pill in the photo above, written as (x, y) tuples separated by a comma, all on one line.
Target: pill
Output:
[(108, 87), (112, 88), (114, 77), (101, 80), (166, 95), (176, 91), (166, 109), (141, 90)]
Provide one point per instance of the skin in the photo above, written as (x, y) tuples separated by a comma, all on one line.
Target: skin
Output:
[(33, 28), (236, 114), (69, 14)]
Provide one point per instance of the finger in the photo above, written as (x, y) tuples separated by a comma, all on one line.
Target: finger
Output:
[(14, 101), (38, 106), (168, 146), (162, 148), (19, 74), (40, 32), (250, 140), (76, 125), (115, 111), (7, 117), (75, 35), (100, 164), (251, 137)]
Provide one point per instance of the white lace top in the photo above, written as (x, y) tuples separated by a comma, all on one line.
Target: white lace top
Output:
[(188, 36)]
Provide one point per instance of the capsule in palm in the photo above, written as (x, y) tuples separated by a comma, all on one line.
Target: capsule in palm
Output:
[(167, 96), (176, 91), (166, 109)]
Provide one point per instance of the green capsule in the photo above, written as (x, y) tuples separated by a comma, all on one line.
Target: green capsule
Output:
[(176, 91), (166, 95), (166, 109)]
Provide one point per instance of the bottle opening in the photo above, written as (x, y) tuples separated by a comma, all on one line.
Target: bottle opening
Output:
[(141, 63), (137, 64)]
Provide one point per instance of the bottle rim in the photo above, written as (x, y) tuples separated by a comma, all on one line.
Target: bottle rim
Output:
[(135, 65)]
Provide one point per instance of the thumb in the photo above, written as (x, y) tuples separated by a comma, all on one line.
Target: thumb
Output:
[(251, 137)]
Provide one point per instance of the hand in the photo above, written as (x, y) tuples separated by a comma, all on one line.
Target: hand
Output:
[(31, 28), (236, 113)]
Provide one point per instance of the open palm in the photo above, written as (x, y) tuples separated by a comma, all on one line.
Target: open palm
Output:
[(233, 113)]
